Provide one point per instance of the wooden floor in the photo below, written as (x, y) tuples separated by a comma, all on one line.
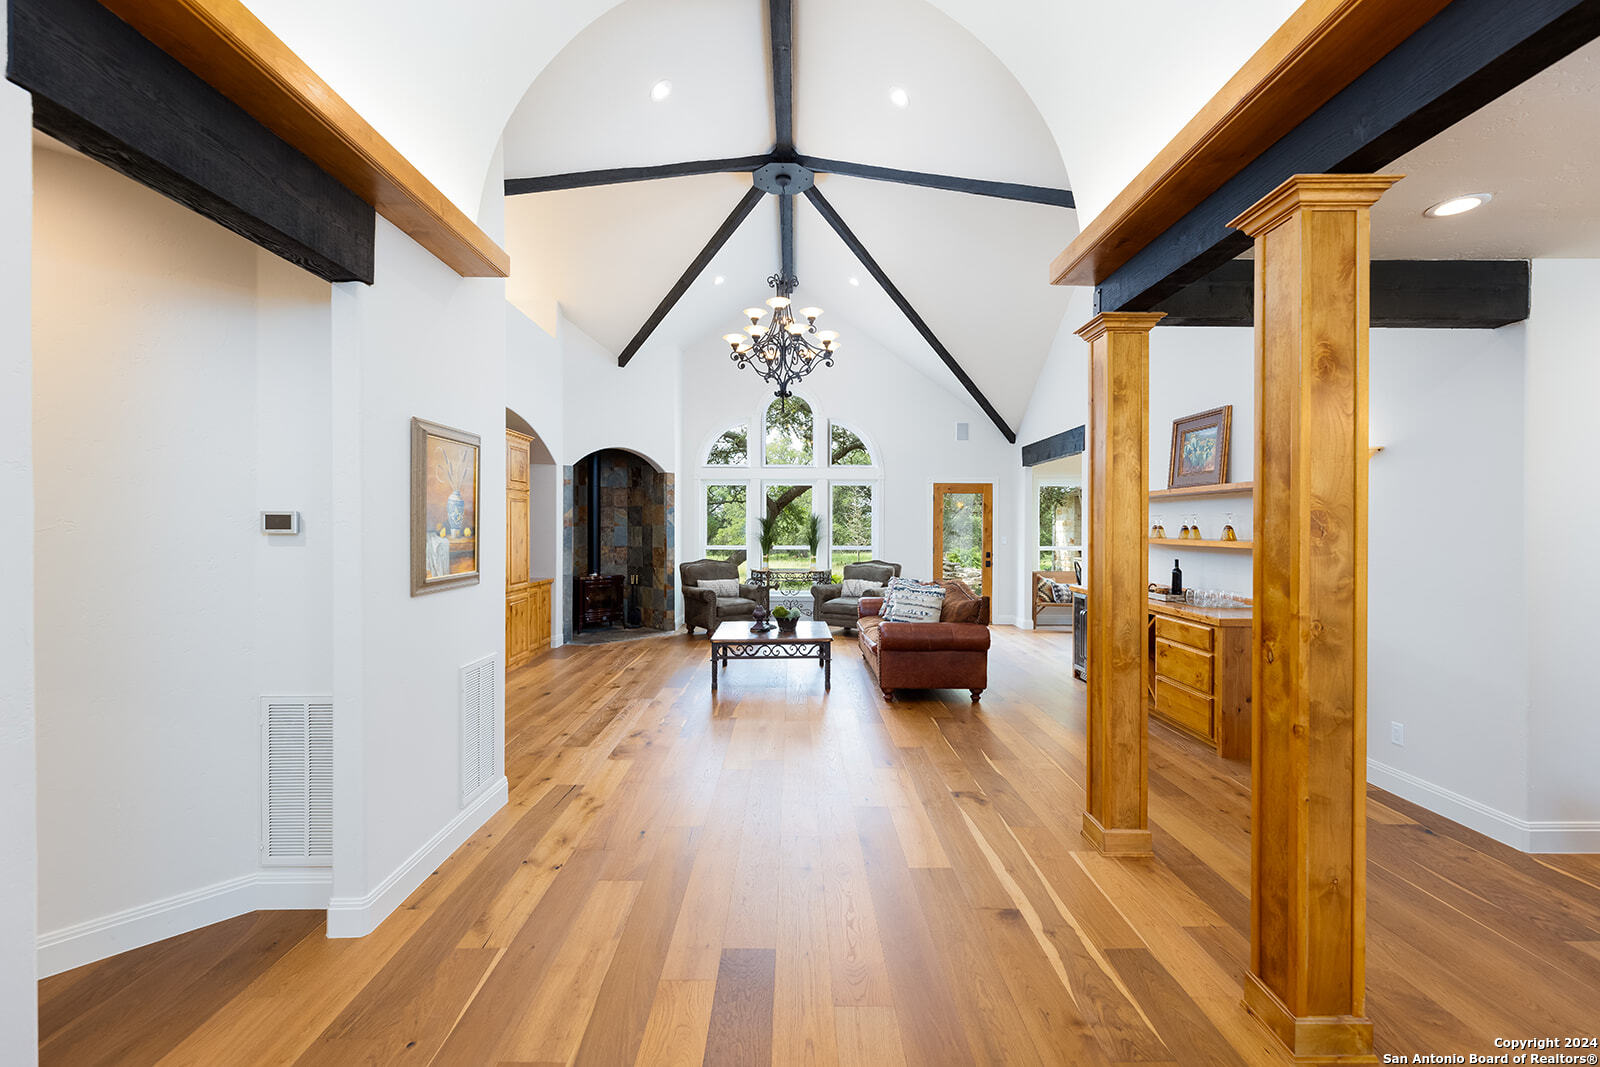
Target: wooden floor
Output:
[(779, 876)]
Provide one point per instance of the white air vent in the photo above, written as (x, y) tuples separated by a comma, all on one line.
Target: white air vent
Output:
[(961, 431), (479, 710), (297, 781)]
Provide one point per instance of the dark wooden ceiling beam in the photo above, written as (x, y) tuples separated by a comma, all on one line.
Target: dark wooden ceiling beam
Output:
[(1423, 294), (782, 24), (786, 235), (584, 179), (1034, 194), (1464, 57), (826, 210), (101, 87), (740, 212)]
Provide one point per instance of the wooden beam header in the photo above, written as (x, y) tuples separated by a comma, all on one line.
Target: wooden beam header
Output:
[(236, 54), (1319, 50)]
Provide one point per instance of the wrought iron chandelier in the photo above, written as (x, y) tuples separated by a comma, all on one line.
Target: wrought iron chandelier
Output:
[(782, 351)]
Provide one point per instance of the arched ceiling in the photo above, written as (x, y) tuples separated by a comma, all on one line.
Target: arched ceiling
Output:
[(971, 266)]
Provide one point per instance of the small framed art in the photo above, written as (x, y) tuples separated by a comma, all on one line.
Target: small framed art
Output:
[(444, 507), (1200, 449)]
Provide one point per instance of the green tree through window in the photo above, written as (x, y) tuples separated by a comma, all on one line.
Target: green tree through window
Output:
[(732, 449), (789, 429)]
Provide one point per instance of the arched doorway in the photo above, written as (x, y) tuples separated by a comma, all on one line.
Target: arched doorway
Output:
[(620, 523)]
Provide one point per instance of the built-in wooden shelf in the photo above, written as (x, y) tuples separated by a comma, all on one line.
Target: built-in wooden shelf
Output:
[(1189, 542), (1225, 489)]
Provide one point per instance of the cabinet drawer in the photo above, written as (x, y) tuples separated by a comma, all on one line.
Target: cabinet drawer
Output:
[(1185, 633), (1179, 663), (1184, 707)]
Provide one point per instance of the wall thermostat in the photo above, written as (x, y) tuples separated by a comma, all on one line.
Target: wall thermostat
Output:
[(280, 522)]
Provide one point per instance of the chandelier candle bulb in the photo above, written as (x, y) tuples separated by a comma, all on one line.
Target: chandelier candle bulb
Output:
[(777, 301), (811, 314)]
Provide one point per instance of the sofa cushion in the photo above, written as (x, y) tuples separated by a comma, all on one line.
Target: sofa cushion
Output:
[(932, 637), (916, 602), (721, 586), (734, 605), (966, 609), (842, 605), (870, 607)]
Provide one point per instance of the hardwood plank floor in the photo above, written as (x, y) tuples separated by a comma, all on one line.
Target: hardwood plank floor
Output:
[(778, 875)]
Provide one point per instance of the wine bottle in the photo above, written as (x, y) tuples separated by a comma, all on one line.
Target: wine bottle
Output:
[(1177, 579)]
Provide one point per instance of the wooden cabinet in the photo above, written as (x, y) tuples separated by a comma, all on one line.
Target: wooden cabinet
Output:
[(527, 601), (1200, 673)]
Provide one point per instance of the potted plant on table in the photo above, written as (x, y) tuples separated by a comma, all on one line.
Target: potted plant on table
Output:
[(786, 618)]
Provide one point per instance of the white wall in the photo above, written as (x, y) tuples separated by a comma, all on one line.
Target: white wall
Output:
[(908, 420), (1562, 514), (181, 388), (422, 342), (18, 840), (1446, 654)]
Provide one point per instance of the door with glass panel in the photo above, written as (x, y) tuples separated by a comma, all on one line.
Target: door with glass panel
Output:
[(963, 533)]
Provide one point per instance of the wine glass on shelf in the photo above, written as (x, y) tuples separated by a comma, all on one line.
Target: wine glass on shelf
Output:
[(1228, 533), (1194, 527)]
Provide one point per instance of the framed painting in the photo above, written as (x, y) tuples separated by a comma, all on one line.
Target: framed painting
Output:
[(1200, 449), (444, 507)]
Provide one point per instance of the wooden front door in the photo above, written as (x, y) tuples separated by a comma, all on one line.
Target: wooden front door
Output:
[(963, 533)]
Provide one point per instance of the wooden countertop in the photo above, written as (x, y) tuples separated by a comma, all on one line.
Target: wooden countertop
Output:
[(1213, 616)]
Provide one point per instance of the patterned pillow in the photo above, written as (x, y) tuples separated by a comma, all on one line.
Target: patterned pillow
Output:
[(860, 587), (889, 591), (1043, 590), (916, 602), (1061, 592), (720, 586)]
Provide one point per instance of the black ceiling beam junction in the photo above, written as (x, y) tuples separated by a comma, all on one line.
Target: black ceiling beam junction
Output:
[(853, 242), (1420, 294), (584, 179), (783, 75), (102, 88), (1056, 446), (740, 212), (786, 234), (1464, 57), (1034, 194)]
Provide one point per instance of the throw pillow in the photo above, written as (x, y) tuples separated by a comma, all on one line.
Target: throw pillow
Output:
[(917, 602), (720, 586), (858, 587), (961, 609), (1044, 591), (1061, 592), (894, 586)]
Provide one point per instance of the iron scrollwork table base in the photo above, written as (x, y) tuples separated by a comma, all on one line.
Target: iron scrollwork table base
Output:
[(810, 640)]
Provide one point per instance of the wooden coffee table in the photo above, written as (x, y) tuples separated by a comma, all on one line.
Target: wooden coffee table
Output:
[(810, 640)]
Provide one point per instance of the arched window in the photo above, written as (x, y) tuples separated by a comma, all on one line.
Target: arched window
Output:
[(845, 448), (788, 436), (732, 449)]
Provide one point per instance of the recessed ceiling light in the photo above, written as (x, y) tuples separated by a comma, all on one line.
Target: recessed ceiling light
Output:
[(718, 280), (855, 281), (1456, 205), (660, 90), (898, 97)]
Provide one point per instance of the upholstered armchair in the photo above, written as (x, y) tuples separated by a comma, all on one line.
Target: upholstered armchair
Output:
[(703, 607), (830, 605)]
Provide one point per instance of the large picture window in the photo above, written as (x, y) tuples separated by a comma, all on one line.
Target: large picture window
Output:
[(726, 526), (850, 530), (1060, 525), (809, 475)]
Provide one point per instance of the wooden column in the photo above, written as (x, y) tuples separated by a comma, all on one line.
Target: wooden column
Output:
[(1308, 776), (1115, 816)]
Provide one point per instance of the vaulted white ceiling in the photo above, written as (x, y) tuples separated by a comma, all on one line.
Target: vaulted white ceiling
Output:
[(973, 267)]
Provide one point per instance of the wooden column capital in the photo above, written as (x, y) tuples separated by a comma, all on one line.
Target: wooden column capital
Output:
[(1119, 322), (1313, 192)]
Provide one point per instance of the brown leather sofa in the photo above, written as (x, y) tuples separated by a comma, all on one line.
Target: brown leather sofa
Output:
[(947, 654)]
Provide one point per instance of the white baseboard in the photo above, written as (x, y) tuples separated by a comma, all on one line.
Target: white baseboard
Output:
[(1520, 834), (359, 916), (278, 889)]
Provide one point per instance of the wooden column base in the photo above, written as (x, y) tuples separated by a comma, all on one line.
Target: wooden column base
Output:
[(1311, 1038), (1116, 842)]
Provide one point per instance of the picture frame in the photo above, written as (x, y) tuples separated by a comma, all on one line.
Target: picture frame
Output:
[(445, 466), (1200, 448)]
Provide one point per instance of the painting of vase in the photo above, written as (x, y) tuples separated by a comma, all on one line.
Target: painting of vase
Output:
[(444, 507)]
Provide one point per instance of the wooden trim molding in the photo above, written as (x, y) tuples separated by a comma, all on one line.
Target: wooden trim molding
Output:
[(1319, 50), (236, 54)]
